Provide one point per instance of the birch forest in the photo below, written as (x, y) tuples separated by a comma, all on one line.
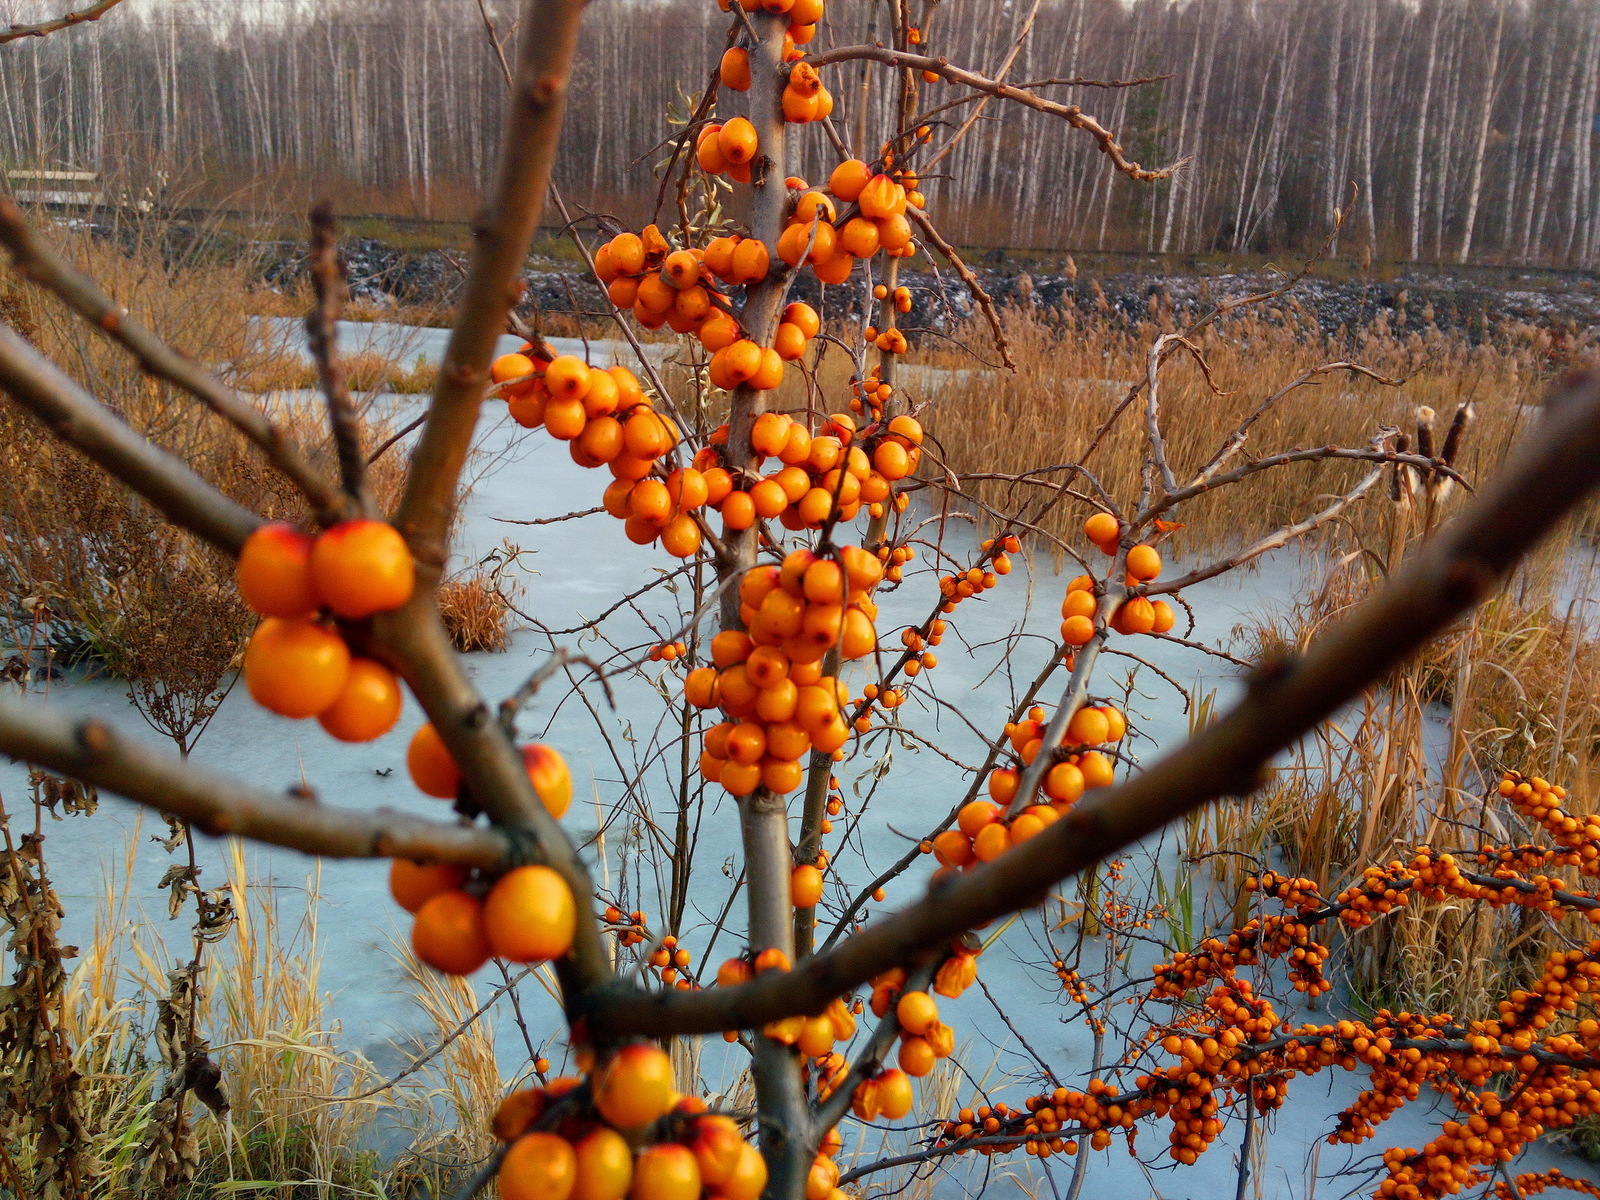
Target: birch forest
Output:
[(1467, 130)]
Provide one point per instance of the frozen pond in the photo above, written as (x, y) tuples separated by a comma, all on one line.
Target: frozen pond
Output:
[(574, 570)]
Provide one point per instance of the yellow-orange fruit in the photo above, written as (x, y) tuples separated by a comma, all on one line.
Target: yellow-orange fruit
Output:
[(529, 915), (413, 884), (274, 572), (635, 1087), (362, 567), (734, 70), (368, 705), (448, 934), (295, 668), (539, 1166), (432, 769)]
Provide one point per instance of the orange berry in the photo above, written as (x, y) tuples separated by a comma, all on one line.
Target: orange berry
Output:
[(849, 178), (1088, 727), (413, 884), (738, 142), (603, 1166), (1144, 563), (1077, 631), (665, 1171), (432, 769), (567, 377), (539, 1166), (368, 705), (735, 69), (636, 1088), (295, 668), (992, 841), (805, 886), (1102, 529), (274, 572), (550, 776), (362, 567), (529, 915), (448, 934), (977, 815), (916, 1012)]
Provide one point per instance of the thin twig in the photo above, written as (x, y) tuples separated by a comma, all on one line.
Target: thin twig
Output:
[(322, 335)]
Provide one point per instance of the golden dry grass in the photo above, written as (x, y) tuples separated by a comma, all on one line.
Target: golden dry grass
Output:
[(111, 578), (1072, 369), (475, 613)]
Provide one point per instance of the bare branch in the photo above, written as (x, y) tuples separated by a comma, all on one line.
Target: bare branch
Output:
[(77, 418), (322, 325), (1455, 570), (1070, 113), (91, 751), (94, 12), (968, 277), (38, 263)]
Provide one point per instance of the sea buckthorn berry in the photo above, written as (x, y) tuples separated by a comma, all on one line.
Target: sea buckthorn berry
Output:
[(849, 178), (666, 1171), (296, 668), (635, 1087), (539, 1166), (805, 886), (603, 1166), (734, 71), (529, 915), (738, 142), (916, 1012), (274, 572), (1144, 563), (550, 776), (362, 567), (431, 768), (368, 705), (1102, 529), (413, 884), (448, 933)]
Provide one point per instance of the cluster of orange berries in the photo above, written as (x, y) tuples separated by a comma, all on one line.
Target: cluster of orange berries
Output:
[(799, 30), (1540, 801), (625, 1131), (827, 476), (1137, 614), (769, 681), (1239, 1045), (297, 663), (608, 421), (983, 829), (976, 580), (815, 234), (869, 396), (631, 929), (668, 652), (527, 915)]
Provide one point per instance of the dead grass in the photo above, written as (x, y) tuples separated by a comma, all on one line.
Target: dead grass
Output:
[(1513, 687), (475, 613), (1072, 370), (87, 567)]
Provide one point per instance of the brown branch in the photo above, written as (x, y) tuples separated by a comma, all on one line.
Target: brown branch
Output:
[(1070, 113), (502, 236), (1456, 569), (985, 301), (91, 751), (80, 420), (322, 335), (1273, 541), (43, 266), (94, 12)]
